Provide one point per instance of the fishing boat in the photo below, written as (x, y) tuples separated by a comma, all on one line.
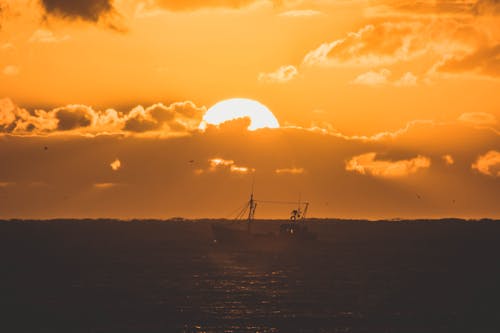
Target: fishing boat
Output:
[(239, 233)]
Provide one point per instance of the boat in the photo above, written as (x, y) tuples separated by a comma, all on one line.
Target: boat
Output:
[(238, 233)]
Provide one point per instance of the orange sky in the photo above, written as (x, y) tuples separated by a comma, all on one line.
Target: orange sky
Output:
[(387, 108)]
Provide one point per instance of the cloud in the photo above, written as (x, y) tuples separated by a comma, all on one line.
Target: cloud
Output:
[(382, 77), (486, 7), (7, 112), (11, 70), (301, 13), (448, 159), (241, 170), (322, 155), (103, 186), (484, 61), (115, 165), (220, 163), (4, 11), (281, 75), (454, 46), (372, 45), (178, 118), (488, 164), (87, 10), (46, 36), (407, 80), (457, 8), (73, 117), (366, 164), (186, 5), (478, 118), (93, 11), (16, 120), (289, 171), (373, 78)]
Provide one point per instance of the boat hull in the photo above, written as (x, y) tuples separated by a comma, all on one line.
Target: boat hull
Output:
[(227, 236)]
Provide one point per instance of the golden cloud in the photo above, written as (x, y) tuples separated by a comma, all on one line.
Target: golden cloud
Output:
[(178, 118), (105, 185), (185, 5), (448, 159), (301, 13), (220, 163), (488, 164), (382, 77), (115, 165), (478, 118), (373, 78), (289, 171), (241, 170), (407, 80), (484, 61), (366, 164), (372, 45), (454, 45), (46, 36), (281, 75)]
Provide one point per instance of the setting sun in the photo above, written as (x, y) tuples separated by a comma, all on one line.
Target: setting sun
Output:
[(260, 116)]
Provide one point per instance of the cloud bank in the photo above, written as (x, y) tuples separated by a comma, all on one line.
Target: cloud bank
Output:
[(178, 118)]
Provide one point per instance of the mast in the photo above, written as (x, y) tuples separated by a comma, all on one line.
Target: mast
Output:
[(252, 205)]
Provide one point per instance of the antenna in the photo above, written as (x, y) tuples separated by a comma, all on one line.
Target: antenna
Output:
[(253, 183), (299, 210)]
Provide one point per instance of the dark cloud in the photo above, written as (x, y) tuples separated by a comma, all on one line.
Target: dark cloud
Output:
[(459, 7), (140, 124), (3, 7), (486, 7), (74, 117), (439, 6), (89, 10)]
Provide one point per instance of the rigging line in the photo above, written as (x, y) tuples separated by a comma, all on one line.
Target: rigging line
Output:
[(237, 210), (281, 202), (241, 214)]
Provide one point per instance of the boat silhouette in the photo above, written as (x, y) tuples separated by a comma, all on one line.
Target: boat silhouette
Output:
[(238, 233)]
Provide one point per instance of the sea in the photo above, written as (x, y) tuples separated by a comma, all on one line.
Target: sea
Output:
[(105, 275)]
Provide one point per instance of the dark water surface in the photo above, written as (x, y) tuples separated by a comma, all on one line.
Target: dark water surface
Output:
[(147, 276)]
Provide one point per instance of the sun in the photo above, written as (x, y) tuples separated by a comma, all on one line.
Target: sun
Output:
[(236, 108)]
